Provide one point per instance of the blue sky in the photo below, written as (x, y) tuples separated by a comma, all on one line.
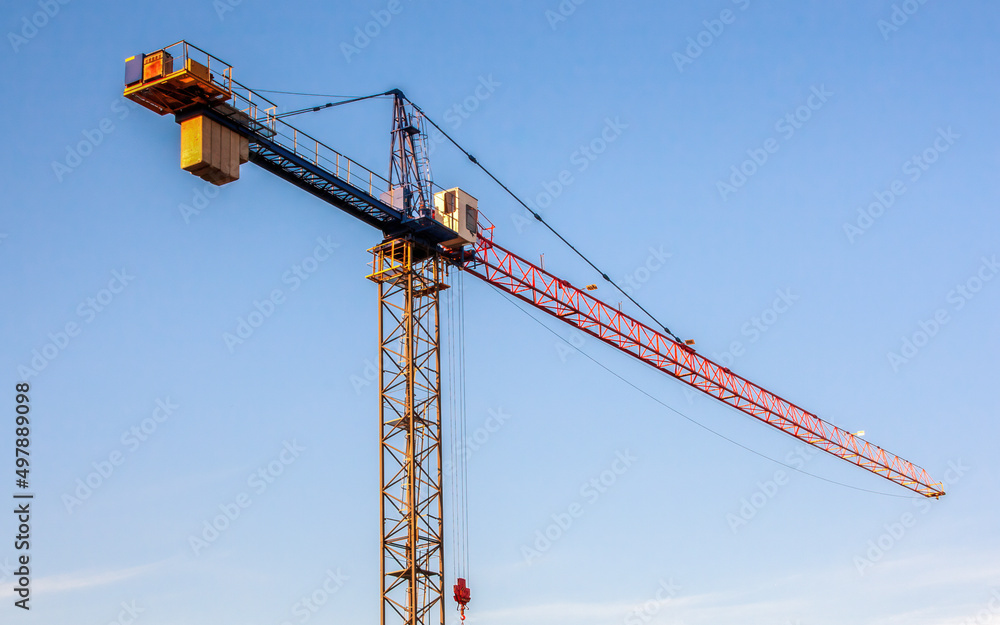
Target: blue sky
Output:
[(805, 188)]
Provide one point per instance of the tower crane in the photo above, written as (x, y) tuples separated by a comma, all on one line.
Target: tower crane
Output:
[(427, 231)]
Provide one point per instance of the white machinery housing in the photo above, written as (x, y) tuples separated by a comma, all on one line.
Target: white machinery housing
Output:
[(458, 211)]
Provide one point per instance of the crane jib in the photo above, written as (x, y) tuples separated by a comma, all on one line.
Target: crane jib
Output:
[(511, 273)]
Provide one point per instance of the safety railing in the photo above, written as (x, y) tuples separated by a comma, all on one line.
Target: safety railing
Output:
[(261, 116), (186, 56), (485, 228)]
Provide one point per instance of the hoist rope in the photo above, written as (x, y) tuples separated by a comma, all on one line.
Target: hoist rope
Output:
[(517, 305), (463, 412), (313, 109), (516, 198), (546, 224), (315, 95), (458, 430)]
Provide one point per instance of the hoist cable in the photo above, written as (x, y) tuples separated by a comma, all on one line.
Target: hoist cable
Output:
[(313, 109), (452, 435), (546, 224), (314, 95), (538, 217), (515, 304), (458, 439), (464, 417)]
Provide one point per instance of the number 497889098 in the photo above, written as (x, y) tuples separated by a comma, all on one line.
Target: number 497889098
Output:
[(21, 429)]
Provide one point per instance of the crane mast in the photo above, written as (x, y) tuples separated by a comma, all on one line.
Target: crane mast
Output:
[(224, 124), (410, 278)]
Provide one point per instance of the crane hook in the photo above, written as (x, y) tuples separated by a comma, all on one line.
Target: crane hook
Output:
[(462, 596)]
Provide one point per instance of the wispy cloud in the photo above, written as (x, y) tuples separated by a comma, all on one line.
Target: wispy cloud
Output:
[(76, 581), (703, 608), (942, 570), (800, 598)]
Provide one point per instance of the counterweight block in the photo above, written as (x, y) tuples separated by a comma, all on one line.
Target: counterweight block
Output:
[(211, 151)]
